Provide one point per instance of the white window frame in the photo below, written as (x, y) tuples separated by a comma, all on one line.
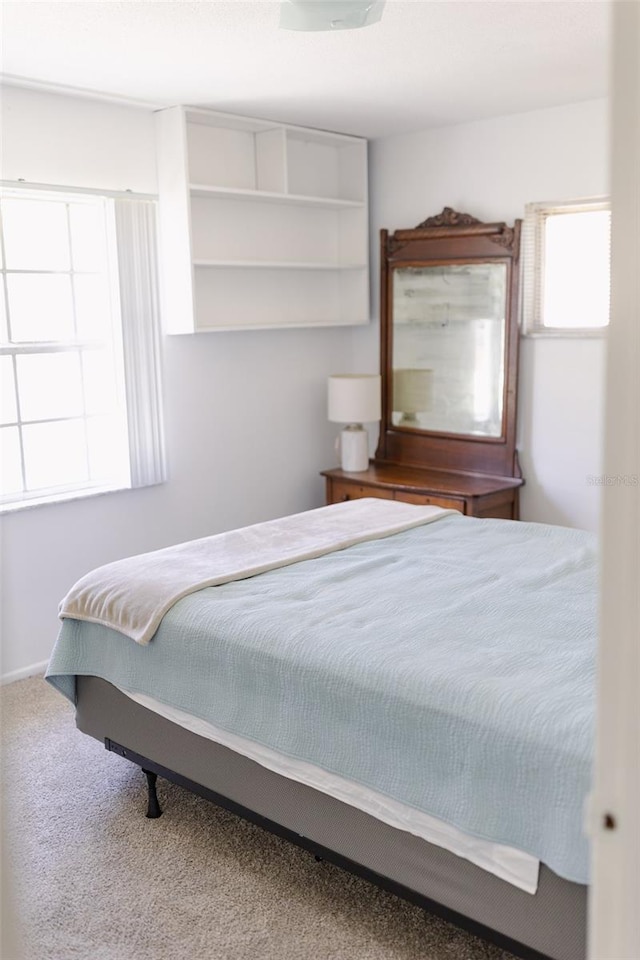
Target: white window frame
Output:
[(533, 259), (133, 274)]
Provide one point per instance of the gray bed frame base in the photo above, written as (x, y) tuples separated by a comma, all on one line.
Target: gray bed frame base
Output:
[(550, 925)]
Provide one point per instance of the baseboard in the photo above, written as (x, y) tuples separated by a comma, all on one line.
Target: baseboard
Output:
[(31, 671)]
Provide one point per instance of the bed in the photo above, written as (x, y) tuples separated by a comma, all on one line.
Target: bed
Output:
[(403, 690)]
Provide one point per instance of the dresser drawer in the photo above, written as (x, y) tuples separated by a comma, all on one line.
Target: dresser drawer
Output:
[(449, 503), (483, 496), (355, 491)]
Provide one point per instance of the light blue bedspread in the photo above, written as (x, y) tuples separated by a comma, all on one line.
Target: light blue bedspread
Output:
[(450, 667)]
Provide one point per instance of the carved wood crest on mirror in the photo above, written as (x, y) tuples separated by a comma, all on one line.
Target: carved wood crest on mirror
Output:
[(449, 345)]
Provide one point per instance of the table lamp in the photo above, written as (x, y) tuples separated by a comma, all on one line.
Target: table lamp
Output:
[(354, 399), (412, 393)]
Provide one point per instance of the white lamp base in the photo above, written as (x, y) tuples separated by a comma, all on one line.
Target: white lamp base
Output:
[(354, 448)]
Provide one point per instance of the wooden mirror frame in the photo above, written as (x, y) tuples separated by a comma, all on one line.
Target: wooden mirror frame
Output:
[(450, 237)]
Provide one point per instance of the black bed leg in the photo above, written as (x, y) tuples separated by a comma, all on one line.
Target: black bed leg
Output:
[(153, 810)]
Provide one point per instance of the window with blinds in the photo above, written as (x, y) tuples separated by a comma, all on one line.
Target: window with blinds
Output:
[(566, 268), (79, 346)]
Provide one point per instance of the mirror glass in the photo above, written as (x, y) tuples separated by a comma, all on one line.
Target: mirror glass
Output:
[(448, 347)]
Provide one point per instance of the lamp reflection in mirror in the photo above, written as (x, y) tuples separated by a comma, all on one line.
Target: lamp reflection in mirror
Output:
[(354, 399), (412, 394)]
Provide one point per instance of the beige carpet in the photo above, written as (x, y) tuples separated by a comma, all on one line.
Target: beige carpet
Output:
[(95, 880)]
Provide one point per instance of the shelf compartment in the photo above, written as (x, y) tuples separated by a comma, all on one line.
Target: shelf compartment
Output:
[(325, 165), (245, 156), (224, 229), (275, 297)]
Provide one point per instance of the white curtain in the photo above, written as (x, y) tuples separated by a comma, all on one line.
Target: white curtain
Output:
[(139, 304)]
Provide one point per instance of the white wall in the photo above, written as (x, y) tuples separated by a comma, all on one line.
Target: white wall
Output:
[(491, 169), (245, 412)]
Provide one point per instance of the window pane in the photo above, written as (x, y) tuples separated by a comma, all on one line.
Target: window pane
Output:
[(88, 236), (4, 332), (55, 454), (35, 235), (93, 307), (99, 381), (10, 469), (576, 269), (40, 307), (49, 385), (8, 411), (108, 450)]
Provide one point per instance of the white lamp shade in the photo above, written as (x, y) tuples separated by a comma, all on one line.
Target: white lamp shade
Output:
[(412, 390), (354, 398)]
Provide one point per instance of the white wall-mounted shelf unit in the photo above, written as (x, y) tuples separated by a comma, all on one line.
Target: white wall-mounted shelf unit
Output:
[(262, 224)]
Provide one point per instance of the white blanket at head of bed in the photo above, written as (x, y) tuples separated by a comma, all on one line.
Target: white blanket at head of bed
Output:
[(133, 595)]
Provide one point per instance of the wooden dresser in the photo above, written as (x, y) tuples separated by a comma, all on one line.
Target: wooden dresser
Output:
[(476, 495), (448, 365)]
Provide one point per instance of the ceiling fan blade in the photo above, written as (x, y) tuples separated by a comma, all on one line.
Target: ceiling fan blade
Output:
[(329, 14)]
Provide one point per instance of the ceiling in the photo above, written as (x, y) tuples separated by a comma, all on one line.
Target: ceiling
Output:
[(424, 64)]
